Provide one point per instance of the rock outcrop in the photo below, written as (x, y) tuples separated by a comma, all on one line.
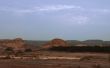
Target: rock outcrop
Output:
[(55, 43), (17, 43)]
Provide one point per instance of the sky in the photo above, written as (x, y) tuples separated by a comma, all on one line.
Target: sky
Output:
[(48, 19)]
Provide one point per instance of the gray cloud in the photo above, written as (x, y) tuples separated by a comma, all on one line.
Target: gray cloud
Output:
[(48, 8), (80, 19), (41, 8)]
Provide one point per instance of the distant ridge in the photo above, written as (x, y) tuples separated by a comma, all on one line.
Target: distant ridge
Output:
[(16, 43)]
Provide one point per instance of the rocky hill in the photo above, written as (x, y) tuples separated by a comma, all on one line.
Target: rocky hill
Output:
[(55, 43), (17, 43)]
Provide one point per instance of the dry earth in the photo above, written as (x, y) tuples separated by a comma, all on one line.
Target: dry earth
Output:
[(88, 60)]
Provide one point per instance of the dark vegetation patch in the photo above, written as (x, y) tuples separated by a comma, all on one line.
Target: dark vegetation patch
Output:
[(104, 49)]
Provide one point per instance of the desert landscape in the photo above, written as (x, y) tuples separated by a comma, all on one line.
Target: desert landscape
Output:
[(54, 33), (56, 53)]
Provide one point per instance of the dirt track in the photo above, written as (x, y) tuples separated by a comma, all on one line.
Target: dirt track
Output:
[(90, 60), (52, 64)]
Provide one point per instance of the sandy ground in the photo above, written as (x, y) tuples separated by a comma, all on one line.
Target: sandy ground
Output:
[(100, 61), (52, 64)]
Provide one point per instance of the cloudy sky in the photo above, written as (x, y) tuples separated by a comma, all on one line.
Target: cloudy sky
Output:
[(48, 19)]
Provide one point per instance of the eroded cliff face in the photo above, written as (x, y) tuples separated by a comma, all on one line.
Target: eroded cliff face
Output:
[(17, 43), (55, 43)]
